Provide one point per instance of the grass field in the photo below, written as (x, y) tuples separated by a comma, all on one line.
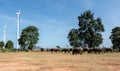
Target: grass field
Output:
[(45, 61)]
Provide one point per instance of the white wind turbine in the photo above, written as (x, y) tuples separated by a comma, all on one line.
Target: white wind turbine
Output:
[(18, 26), (4, 35)]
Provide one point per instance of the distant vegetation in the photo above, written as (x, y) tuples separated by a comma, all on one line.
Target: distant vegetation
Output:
[(89, 31), (8, 47), (28, 38), (73, 38), (58, 47), (115, 38), (1, 44), (88, 34)]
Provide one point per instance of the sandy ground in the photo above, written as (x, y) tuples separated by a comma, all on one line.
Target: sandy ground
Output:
[(44, 61)]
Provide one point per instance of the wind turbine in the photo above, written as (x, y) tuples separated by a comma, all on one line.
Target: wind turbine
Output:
[(18, 26), (4, 35)]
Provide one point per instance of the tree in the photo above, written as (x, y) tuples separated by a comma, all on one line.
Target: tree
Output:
[(1, 44), (115, 38), (58, 47), (73, 38), (9, 44), (90, 29), (29, 37)]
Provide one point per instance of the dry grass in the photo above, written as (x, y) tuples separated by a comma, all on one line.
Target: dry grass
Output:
[(44, 61)]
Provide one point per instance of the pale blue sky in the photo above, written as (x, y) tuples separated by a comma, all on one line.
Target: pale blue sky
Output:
[(55, 18)]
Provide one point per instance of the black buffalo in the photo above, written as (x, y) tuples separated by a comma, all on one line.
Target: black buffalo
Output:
[(66, 50), (85, 50), (95, 50), (54, 50), (106, 50), (77, 50)]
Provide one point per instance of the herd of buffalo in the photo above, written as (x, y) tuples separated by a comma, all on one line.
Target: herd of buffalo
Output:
[(79, 50)]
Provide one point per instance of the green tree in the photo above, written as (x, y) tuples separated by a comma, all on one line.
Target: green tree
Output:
[(1, 44), (29, 37), (115, 38), (90, 29), (9, 44), (73, 38), (58, 47)]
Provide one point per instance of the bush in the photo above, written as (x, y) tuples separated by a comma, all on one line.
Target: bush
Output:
[(6, 50)]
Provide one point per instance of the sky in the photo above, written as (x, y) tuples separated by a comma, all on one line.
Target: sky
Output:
[(55, 18)]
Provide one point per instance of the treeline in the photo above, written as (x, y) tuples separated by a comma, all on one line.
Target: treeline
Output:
[(28, 39), (89, 32), (6, 47)]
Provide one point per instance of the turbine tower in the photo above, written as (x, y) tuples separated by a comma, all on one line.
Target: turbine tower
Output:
[(18, 26), (4, 36)]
